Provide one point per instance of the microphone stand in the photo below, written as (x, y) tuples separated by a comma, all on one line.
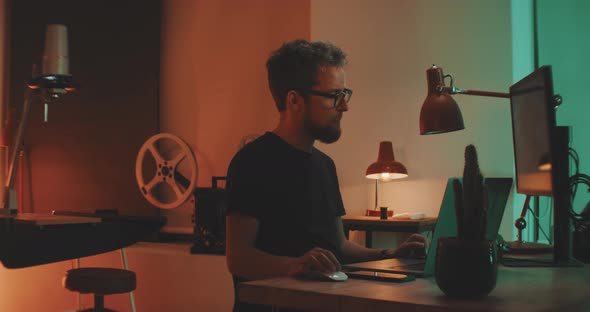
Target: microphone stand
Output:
[(53, 81), (9, 202)]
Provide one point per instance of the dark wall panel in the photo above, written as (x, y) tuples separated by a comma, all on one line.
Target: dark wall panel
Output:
[(83, 158)]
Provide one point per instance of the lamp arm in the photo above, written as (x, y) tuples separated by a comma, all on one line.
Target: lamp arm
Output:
[(9, 184), (455, 90)]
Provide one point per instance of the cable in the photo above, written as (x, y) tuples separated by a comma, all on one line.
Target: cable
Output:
[(547, 204), (579, 178), (574, 180), (576, 158), (538, 222)]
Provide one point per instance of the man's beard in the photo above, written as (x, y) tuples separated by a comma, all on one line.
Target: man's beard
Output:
[(323, 134)]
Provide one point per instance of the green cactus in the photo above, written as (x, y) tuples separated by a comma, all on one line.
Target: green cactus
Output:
[(470, 199)]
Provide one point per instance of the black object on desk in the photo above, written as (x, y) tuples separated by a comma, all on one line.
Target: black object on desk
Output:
[(210, 209), (383, 213)]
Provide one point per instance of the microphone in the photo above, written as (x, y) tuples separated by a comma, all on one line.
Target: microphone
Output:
[(55, 79), (55, 55), (55, 75)]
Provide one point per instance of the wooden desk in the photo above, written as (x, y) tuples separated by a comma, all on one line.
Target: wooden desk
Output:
[(374, 224), (518, 290), (49, 219), (34, 239)]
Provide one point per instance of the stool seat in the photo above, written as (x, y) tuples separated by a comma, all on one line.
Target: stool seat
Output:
[(100, 281)]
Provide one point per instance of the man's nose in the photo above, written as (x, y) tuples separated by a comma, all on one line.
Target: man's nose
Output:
[(342, 105)]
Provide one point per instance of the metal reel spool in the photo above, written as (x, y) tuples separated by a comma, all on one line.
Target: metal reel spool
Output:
[(166, 171)]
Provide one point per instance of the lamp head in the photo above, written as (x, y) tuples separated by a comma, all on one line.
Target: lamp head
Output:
[(440, 113), (386, 168), (55, 74)]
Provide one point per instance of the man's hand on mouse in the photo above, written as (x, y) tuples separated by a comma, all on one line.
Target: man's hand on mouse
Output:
[(317, 259), (413, 247)]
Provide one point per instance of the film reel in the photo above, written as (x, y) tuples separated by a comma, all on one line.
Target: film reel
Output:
[(166, 186)]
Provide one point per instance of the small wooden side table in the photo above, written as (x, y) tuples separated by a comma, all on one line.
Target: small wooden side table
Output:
[(374, 224)]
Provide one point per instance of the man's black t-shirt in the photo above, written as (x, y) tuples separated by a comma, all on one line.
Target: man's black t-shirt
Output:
[(293, 194)]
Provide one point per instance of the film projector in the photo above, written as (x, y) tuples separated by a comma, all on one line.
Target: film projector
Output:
[(166, 172)]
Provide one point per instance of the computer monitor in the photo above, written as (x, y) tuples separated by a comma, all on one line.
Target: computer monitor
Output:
[(541, 152), (533, 120)]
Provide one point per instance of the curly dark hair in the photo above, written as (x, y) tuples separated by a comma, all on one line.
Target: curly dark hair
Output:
[(295, 66)]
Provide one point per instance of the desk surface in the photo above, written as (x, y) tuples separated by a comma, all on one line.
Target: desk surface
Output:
[(518, 289), (49, 219), (33, 239)]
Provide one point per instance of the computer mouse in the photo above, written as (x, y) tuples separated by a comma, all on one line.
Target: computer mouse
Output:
[(335, 276)]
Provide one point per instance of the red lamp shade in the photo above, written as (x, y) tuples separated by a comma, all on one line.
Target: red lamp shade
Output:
[(386, 168), (440, 113)]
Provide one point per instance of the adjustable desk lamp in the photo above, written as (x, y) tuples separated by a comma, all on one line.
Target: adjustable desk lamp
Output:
[(440, 113), (53, 82), (384, 169)]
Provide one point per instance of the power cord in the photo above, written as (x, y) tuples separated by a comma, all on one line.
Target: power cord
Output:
[(574, 180), (538, 222)]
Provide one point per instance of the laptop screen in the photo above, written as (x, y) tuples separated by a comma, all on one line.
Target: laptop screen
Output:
[(498, 190)]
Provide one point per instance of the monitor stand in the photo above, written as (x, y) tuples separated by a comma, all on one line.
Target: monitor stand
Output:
[(562, 225), (528, 248), (520, 247)]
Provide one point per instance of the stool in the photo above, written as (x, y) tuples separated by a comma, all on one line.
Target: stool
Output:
[(100, 282)]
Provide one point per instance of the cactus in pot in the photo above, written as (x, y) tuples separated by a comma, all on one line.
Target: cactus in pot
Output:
[(470, 199)]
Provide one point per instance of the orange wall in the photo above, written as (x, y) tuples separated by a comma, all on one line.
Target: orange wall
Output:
[(213, 75), (213, 92)]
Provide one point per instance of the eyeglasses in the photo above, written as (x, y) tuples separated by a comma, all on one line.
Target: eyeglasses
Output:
[(345, 95)]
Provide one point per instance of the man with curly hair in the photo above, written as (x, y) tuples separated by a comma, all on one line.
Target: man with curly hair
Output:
[(285, 206)]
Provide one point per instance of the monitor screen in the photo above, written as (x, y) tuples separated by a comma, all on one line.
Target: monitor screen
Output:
[(533, 120)]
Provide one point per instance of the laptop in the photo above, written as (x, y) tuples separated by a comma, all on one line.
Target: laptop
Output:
[(498, 190)]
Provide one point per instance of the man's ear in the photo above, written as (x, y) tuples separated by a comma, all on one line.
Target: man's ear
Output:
[(293, 101)]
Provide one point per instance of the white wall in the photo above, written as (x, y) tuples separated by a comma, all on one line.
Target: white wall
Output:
[(390, 44)]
